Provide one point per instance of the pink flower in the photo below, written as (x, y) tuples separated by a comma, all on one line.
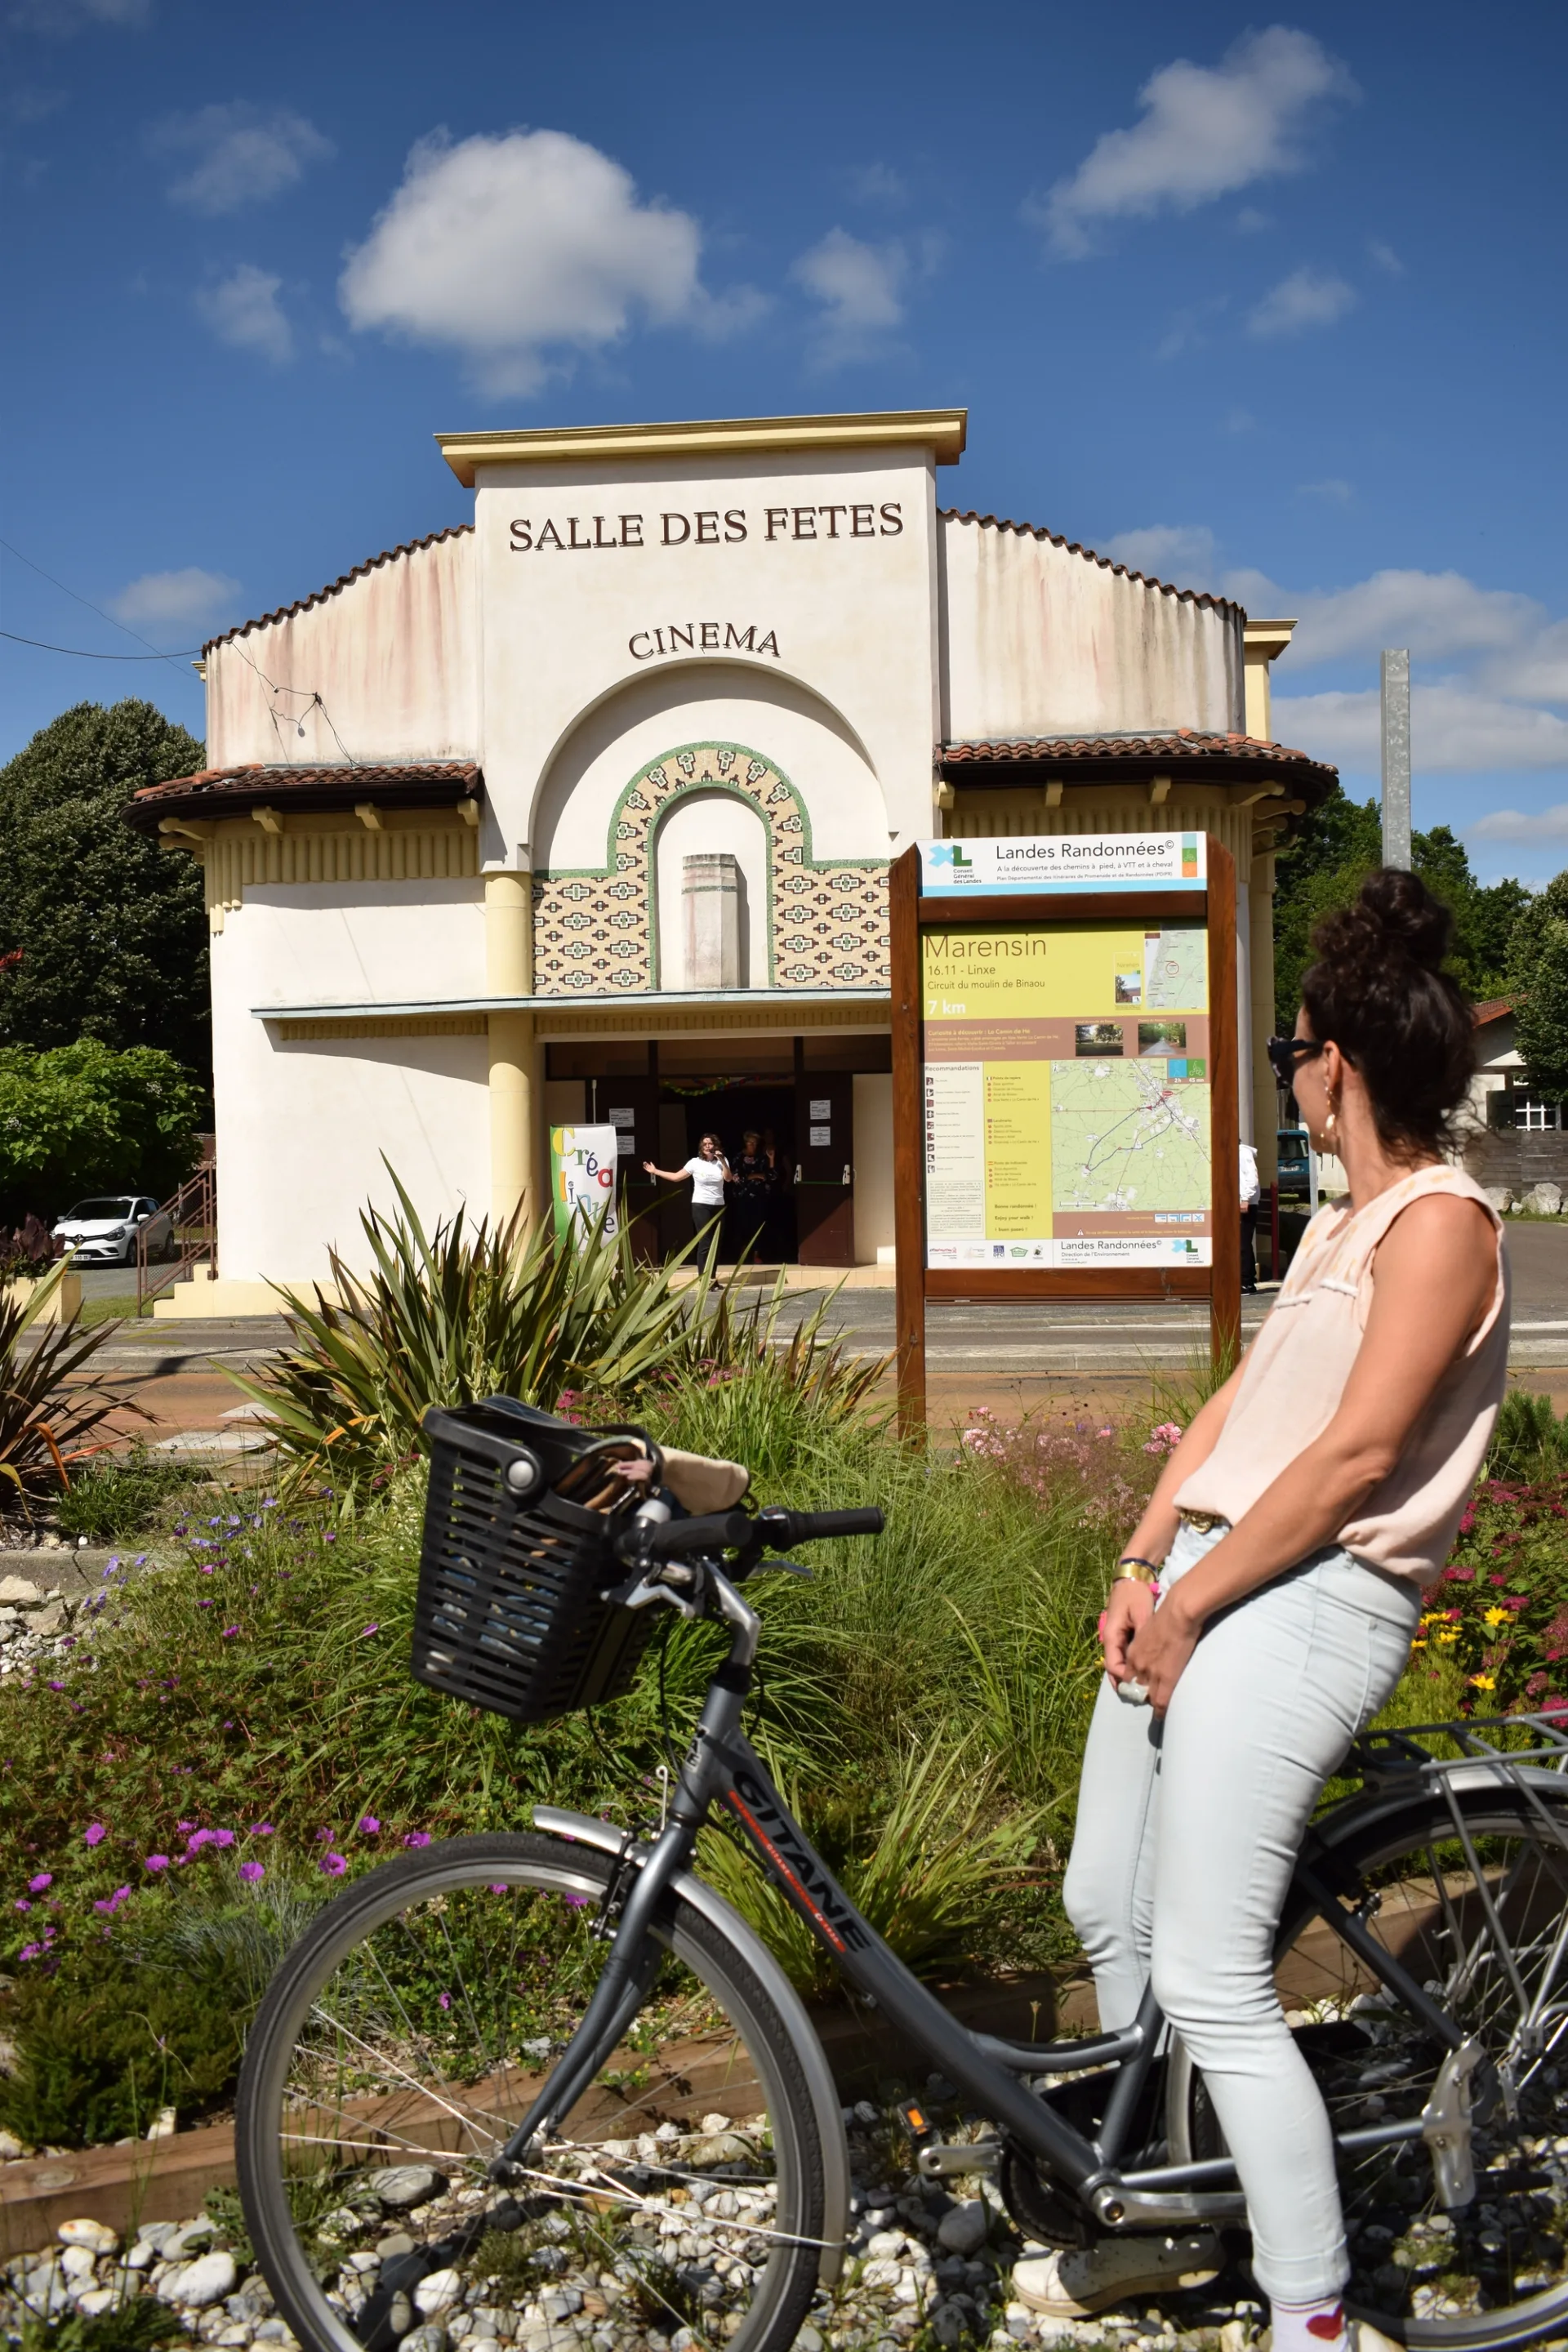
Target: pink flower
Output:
[(445, 2000), (374, 1627), (367, 1825), (333, 1865), (262, 1828), (29, 1951), (36, 1885), (95, 1833), (229, 1631), (418, 1837), (22, 1903), (156, 1861), (222, 1837), (252, 1871), (112, 1903)]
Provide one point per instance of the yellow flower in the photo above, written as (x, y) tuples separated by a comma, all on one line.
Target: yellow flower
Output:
[(1482, 1681), (1449, 1636), (1499, 1616)]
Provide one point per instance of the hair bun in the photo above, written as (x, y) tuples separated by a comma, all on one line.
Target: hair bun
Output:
[(1403, 914)]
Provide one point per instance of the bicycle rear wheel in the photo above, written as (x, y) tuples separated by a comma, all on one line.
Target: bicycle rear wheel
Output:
[(1495, 2273), (680, 2204)]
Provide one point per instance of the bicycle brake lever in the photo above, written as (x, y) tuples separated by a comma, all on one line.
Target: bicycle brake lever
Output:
[(792, 1567)]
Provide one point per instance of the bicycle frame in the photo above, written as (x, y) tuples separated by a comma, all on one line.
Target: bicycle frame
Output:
[(721, 1768)]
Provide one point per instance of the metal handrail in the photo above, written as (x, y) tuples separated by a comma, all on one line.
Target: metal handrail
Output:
[(191, 1212)]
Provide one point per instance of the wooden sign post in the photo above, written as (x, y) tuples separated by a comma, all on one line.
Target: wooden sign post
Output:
[(1066, 1122)]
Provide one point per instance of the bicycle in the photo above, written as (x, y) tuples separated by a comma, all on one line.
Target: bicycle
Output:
[(561, 2058)]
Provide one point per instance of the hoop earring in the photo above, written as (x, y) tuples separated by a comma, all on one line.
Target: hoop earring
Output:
[(1331, 1123)]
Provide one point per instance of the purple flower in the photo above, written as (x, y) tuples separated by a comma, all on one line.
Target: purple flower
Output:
[(374, 1627), (56, 1686), (198, 1838), (252, 1871), (367, 1825), (499, 1887), (229, 1631), (95, 1833), (578, 1902), (324, 1837), (184, 1825), (156, 1861), (36, 1885), (29, 1951), (445, 1999), (112, 1903), (23, 1904), (331, 1865), (222, 1837), (418, 1837), (262, 1828)]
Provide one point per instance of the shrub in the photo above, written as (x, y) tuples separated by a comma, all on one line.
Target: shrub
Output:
[(101, 2047), (84, 1118), (114, 1497), (48, 1409), (1528, 1441), (1498, 1617)]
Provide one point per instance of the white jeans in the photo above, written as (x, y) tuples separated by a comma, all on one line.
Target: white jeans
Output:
[(1187, 1832)]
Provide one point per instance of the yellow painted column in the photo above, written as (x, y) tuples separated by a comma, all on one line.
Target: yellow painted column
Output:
[(1261, 910), (514, 1097)]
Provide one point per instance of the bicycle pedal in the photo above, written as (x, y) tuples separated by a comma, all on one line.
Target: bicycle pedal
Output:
[(913, 2116)]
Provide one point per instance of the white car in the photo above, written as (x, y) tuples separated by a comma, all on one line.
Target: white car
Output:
[(103, 1232)]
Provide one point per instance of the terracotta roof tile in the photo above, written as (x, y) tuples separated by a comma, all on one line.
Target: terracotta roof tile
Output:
[(1493, 1009), (230, 792), (1182, 743), (1105, 563), (345, 580)]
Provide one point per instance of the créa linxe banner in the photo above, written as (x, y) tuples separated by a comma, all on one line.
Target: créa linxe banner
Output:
[(583, 1180)]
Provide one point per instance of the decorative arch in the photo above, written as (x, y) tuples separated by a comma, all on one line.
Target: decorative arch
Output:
[(595, 929)]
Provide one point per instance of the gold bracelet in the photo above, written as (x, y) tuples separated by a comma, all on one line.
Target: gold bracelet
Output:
[(1133, 1571)]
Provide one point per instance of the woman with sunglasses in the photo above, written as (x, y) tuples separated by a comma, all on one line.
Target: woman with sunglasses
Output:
[(1264, 1609)]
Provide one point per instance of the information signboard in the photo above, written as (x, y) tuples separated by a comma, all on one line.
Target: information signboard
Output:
[(1065, 1106)]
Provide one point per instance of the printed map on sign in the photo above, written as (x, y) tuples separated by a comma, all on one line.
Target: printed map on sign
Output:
[(1067, 1093), (1124, 1137)]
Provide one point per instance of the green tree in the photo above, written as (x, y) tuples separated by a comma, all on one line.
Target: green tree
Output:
[(1337, 845), (1540, 1015), (102, 932), (84, 1118)]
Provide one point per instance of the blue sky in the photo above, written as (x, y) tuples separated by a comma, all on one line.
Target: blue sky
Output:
[(1271, 305)]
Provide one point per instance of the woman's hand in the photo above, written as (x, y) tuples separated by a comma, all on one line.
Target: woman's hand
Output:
[(1158, 1653), (1130, 1607)]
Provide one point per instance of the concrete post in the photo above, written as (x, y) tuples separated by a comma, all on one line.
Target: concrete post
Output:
[(1396, 678), (710, 887), (1260, 896), (508, 972)]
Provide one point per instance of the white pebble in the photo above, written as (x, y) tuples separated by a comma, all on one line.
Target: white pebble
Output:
[(434, 2294), (96, 2235)]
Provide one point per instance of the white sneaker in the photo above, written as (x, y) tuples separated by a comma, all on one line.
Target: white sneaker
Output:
[(1073, 2285)]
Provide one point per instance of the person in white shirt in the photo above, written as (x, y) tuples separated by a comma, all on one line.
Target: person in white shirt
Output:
[(1251, 1194), (706, 1172)]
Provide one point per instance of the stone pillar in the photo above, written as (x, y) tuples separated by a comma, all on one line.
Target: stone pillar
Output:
[(508, 972), (1260, 900), (710, 887)]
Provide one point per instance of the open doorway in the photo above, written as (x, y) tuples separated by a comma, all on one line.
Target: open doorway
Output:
[(761, 1210)]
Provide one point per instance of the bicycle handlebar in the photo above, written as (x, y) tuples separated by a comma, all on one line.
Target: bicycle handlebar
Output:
[(737, 1530)]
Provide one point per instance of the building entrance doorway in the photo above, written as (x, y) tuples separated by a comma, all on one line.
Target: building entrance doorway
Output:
[(760, 1211)]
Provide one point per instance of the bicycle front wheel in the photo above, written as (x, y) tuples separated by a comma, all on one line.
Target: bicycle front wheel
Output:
[(1485, 1932), (681, 2204)]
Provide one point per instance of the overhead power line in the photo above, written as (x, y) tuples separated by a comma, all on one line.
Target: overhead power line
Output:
[(153, 654), (82, 653)]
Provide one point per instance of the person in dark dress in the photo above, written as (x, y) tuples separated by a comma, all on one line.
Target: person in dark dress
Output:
[(753, 1185)]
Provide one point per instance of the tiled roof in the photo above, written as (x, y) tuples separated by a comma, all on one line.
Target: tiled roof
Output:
[(230, 792), (372, 563), (1184, 744), (1493, 1009), (1105, 563)]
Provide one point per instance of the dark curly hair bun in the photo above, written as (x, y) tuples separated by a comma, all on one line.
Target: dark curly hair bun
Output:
[(1379, 991)]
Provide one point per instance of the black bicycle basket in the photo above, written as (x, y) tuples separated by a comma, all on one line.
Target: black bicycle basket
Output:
[(518, 1527)]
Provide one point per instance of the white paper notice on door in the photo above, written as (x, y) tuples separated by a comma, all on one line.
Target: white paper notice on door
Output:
[(823, 1109), (955, 1152), (821, 1135)]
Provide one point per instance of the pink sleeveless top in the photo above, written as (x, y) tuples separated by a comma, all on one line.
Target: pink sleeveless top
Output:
[(1294, 1377)]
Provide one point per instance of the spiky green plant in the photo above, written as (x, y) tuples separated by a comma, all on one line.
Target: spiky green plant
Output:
[(48, 1409), (469, 1310)]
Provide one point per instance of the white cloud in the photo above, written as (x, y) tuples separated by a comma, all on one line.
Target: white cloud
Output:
[(878, 183), (1249, 221), (1207, 131), (1180, 553), (1439, 616), (1515, 825), (520, 249), (186, 600), (1385, 257), (1308, 298), (240, 154), (243, 309), (1332, 490), (1453, 728), (61, 18), (861, 290)]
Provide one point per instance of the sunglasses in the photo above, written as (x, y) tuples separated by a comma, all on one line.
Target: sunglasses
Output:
[(1286, 1056)]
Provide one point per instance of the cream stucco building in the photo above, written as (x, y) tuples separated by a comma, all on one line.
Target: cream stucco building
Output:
[(585, 808)]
